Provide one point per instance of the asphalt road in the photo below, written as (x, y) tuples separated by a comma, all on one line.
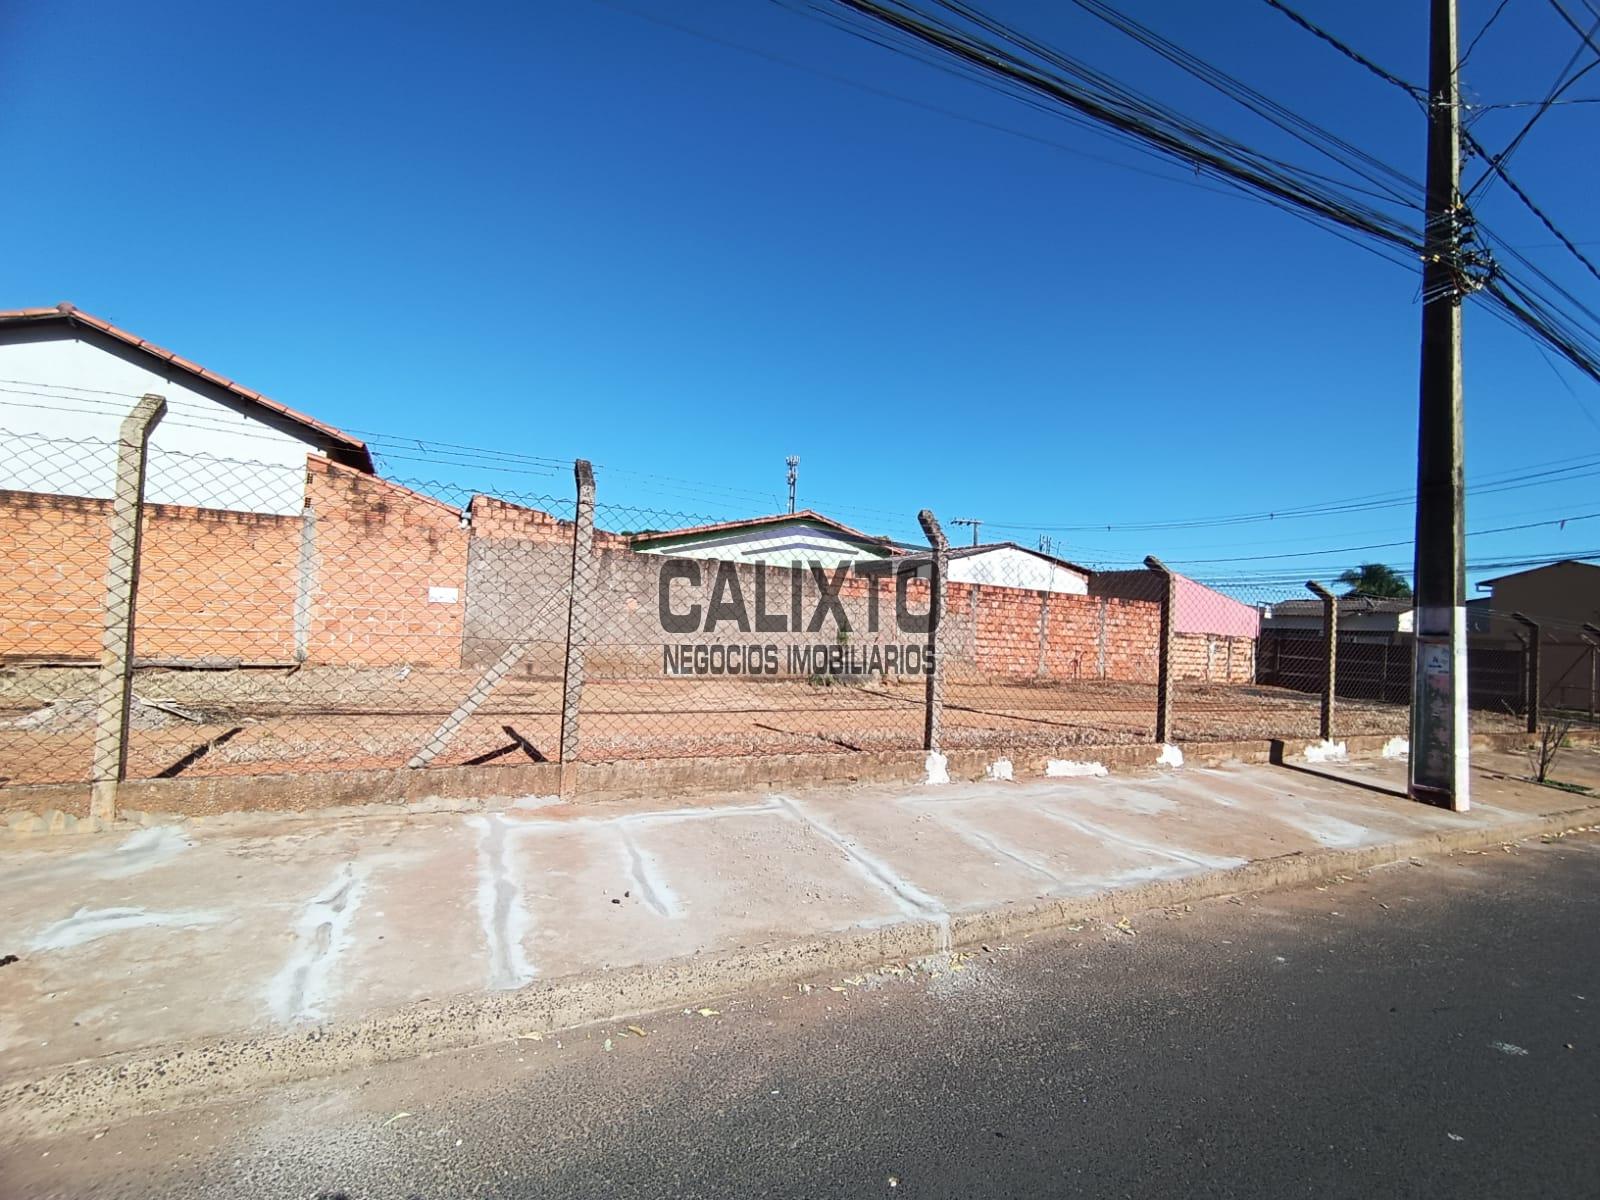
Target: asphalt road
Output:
[(1425, 1030)]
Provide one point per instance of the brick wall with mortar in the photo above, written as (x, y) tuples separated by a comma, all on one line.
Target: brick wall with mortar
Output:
[(347, 584), (511, 578), (1213, 658), (376, 550), (518, 559), (212, 583), (1016, 633), (54, 553)]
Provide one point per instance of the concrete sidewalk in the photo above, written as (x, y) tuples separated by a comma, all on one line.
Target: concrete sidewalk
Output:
[(275, 944)]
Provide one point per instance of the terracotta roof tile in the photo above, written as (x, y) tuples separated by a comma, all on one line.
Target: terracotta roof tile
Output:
[(354, 449)]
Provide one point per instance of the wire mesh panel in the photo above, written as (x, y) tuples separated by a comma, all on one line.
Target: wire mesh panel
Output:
[(1253, 664), (55, 526), (350, 635), (297, 614), (1372, 670), (1039, 652), (774, 635), (1567, 678)]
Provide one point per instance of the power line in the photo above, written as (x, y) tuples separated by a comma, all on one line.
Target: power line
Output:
[(1587, 38), (1557, 88), (1562, 521), (1540, 325), (1415, 92), (1096, 98), (1478, 37), (1019, 66)]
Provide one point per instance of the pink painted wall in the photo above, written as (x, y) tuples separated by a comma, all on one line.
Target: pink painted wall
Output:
[(1201, 610)]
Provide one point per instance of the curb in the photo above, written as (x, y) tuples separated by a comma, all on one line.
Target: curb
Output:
[(96, 1091), (463, 788)]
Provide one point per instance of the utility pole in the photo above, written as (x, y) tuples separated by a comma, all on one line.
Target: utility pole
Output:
[(969, 521), (794, 474), (1439, 737)]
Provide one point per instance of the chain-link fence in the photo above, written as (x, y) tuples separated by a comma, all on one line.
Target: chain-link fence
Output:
[(289, 613)]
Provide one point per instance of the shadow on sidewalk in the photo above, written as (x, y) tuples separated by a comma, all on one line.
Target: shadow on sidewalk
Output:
[(1276, 758)]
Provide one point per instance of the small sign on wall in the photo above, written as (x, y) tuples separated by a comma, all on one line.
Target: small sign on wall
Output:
[(443, 595)]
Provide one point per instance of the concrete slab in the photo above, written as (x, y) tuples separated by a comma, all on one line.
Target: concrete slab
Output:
[(224, 926)]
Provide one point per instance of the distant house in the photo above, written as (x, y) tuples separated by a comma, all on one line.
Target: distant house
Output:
[(71, 378), (1001, 564), (1214, 635), (781, 540), (1562, 597), (1362, 618)]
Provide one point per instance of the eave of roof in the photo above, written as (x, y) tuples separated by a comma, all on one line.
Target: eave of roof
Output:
[(355, 452), (803, 515), (1565, 562), (987, 547)]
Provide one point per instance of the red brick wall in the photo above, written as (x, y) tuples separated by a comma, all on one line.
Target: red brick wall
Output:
[(379, 547), (496, 518), (217, 584), (1213, 658), (210, 583), (1022, 633), (53, 549)]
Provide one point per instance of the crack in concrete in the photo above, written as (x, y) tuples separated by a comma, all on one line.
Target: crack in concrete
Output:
[(500, 908), (651, 887), (90, 924), (1127, 841), (911, 899), (300, 990), (991, 845)]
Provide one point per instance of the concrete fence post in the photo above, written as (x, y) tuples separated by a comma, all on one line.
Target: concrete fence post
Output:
[(1330, 654), (580, 598), (1593, 639), (1164, 650), (114, 682), (1530, 674), (933, 711)]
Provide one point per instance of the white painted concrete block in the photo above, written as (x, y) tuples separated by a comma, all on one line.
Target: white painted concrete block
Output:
[(1065, 768), (1329, 751)]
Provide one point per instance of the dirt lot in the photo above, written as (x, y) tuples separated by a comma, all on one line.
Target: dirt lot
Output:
[(234, 722)]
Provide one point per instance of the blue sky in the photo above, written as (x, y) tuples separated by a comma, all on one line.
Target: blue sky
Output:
[(567, 229)]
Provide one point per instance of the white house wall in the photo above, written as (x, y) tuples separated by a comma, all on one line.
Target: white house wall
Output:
[(59, 436), (1008, 567)]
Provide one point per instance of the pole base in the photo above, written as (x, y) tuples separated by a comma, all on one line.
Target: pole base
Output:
[(103, 799), (1437, 797)]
